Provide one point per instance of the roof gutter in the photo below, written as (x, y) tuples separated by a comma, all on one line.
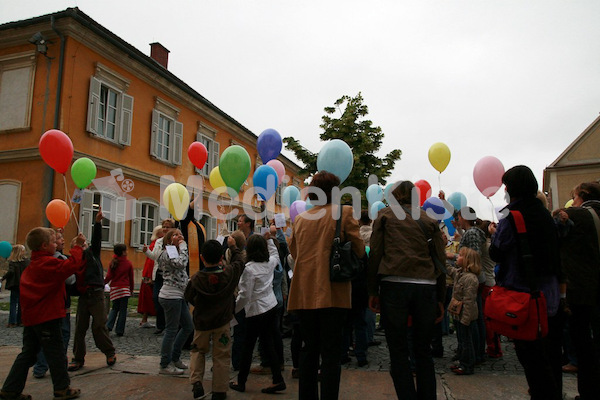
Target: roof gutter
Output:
[(49, 174)]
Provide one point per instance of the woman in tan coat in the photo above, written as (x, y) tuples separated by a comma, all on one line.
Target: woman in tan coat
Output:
[(320, 304)]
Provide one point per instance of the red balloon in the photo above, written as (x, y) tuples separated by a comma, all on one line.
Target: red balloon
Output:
[(197, 154), (58, 212), (424, 189), (56, 149)]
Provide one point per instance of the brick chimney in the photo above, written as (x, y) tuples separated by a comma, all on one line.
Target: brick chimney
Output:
[(159, 53)]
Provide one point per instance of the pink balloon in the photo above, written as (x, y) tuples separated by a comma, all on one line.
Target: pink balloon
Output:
[(487, 175), (279, 168), (297, 207)]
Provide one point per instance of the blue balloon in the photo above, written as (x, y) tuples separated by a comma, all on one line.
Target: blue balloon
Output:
[(458, 201), (336, 157), (290, 195), (436, 205), (375, 207), (309, 205), (265, 181), (5, 249), (374, 193), (451, 228), (269, 145)]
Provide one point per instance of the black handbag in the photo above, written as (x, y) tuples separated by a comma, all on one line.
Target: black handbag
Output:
[(344, 264)]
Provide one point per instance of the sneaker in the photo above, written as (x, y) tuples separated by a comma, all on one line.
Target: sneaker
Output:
[(111, 360), (295, 373), (158, 331), (219, 396), (180, 364), (170, 370), (39, 375), (198, 390), (75, 365), (146, 325)]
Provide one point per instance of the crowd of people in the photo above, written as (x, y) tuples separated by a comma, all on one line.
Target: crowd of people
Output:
[(423, 283)]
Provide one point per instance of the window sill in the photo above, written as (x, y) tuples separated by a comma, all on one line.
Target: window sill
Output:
[(109, 141)]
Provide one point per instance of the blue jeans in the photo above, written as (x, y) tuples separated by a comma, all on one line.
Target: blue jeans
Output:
[(371, 319), (356, 324), (119, 308), (177, 314), (41, 366), (398, 301), (14, 315), (467, 349)]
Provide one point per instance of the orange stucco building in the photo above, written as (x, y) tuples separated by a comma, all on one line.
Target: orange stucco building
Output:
[(122, 109)]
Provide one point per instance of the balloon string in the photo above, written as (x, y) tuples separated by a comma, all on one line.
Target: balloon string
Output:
[(440, 181), (493, 210), (71, 207)]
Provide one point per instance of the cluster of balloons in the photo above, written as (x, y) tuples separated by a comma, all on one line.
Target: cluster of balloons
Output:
[(5, 249), (374, 196), (56, 149)]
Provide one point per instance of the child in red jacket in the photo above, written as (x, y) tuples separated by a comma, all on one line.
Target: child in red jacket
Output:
[(43, 307), (120, 276)]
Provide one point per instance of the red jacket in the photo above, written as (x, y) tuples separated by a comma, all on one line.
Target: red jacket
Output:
[(122, 275), (42, 288)]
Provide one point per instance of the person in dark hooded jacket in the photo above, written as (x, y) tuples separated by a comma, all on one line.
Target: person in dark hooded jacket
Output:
[(210, 291)]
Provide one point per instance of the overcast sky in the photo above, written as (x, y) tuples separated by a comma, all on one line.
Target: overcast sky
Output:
[(519, 80)]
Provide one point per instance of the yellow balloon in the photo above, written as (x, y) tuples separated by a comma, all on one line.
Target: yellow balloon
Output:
[(439, 156), (216, 181), (177, 200), (569, 203)]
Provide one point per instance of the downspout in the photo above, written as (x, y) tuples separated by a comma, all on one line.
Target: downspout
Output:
[(48, 183)]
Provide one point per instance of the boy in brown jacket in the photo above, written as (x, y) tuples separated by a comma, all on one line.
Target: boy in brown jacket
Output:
[(210, 291)]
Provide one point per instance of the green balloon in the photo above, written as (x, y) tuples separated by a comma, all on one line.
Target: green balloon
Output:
[(234, 166), (83, 172)]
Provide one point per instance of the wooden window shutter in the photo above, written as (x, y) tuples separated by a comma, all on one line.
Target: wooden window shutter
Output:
[(86, 214), (177, 143), (154, 134), (93, 106), (120, 210), (135, 226), (126, 119)]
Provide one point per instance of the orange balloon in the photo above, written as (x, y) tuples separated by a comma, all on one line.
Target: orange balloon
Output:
[(57, 212)]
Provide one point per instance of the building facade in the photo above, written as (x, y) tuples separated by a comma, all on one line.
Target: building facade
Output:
[(580, 162), (126, 112)]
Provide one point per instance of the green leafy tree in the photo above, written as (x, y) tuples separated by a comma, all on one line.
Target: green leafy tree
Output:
[(358, 132)]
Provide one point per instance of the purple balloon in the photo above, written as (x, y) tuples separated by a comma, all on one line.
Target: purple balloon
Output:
[(269, 145), (297, 207)]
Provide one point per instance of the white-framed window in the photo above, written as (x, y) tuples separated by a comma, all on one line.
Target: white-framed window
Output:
[(258, 162), (10, 198), (296, 182), (145, 219), (207, 136), (113, 209), (17, 73), (279, 192), (210, 225), (110, 109), (167, 133)]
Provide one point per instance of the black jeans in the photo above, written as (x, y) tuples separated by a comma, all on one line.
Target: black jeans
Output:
[(541, 362), (398, 301), (580, 329), (48, 337), (160, 313), (263, 326), (322, 332)]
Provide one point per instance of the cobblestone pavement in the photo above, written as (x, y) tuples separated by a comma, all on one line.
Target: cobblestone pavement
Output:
[(143, 342)]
